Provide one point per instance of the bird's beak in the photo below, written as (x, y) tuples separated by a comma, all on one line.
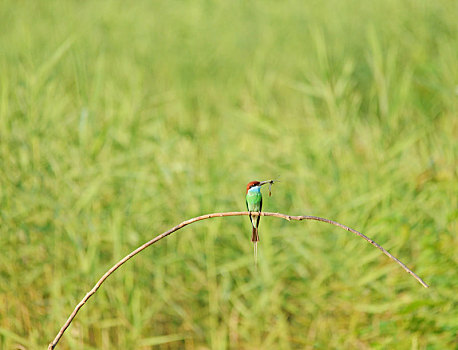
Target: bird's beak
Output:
[(266, 182)]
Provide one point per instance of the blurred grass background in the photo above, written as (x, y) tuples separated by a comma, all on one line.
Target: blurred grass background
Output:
[(119, 120)]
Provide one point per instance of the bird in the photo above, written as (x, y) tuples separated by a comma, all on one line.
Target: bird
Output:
[(254, 204)]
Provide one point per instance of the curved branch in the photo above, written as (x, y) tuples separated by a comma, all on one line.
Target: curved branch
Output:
[(208, 216)]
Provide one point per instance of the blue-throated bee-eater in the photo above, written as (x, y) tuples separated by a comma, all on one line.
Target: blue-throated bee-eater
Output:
[(254, 204)]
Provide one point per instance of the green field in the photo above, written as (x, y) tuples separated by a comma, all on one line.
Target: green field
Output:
[(119, 120)]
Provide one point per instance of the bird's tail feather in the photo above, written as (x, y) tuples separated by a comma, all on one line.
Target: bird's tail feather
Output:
[(254, 235)]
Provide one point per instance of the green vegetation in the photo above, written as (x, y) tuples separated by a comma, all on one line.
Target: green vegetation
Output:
[(120, 119)]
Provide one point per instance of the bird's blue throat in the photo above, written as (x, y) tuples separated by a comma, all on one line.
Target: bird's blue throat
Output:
[(255, 189)]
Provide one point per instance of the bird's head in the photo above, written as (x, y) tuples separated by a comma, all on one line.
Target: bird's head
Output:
[(252, 184)]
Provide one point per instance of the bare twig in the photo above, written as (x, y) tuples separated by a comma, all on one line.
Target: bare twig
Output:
[(208, 216)]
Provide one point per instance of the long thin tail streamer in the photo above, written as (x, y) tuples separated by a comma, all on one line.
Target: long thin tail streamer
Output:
[(255, 254)]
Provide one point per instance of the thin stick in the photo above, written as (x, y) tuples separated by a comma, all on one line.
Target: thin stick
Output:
[(208, 216)]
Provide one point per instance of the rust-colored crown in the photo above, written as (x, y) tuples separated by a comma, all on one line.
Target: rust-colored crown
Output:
[(251, 184)]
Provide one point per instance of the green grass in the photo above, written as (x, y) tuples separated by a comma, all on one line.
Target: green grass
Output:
[(119, 120)]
